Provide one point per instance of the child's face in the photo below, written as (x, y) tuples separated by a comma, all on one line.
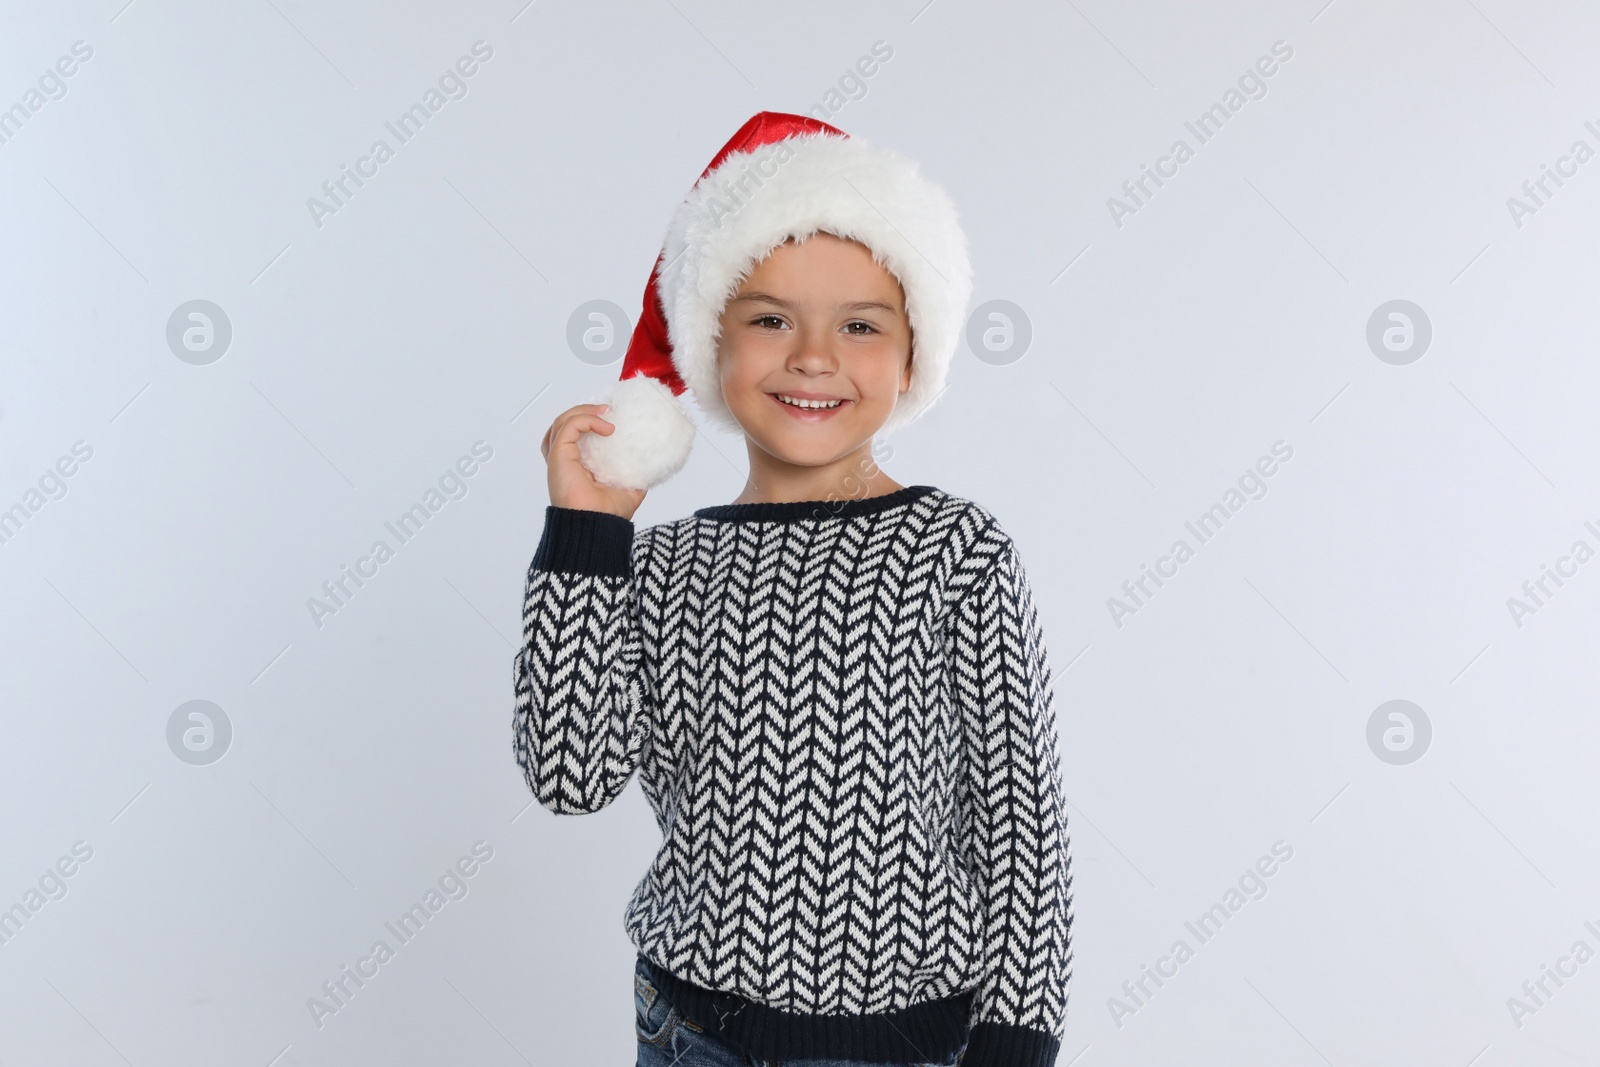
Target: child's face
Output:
[(818, 318)]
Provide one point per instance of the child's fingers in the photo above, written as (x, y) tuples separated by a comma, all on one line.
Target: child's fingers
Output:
[(574, 425), (567, 426), (578, 424)]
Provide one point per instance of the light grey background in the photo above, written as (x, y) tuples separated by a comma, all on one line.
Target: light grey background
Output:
[(369, 353)]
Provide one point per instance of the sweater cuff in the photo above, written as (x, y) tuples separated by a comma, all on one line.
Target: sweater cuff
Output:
[(1005, 1045), (585, 542)]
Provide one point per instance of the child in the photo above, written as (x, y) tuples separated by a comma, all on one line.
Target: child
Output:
[(835, 689)]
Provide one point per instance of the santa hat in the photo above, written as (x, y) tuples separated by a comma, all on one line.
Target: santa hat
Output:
[(780, 177)]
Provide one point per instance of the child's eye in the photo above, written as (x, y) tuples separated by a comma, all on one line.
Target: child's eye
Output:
[(870, 328), (763, 320)]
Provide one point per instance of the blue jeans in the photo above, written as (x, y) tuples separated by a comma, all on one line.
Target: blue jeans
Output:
[(668, 1039)]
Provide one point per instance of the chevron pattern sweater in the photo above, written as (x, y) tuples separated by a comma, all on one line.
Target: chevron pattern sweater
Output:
[(841, 714)]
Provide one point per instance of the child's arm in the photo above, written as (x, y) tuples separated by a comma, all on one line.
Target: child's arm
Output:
[(582, 713), (1012, 819)]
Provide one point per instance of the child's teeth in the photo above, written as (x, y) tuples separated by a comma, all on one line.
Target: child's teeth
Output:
[(810, 403)]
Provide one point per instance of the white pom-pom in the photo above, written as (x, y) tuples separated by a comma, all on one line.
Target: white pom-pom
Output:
[(652, 439)]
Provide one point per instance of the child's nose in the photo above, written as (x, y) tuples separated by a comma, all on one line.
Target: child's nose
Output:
[(814, 352)]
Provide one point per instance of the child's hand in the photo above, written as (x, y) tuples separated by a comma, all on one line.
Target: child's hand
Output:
[(571, 484)]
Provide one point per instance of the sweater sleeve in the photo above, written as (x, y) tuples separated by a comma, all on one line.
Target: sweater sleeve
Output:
[(583, 700), (1011, 819)]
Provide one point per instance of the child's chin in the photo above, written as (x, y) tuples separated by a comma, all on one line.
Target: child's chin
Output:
[(806, 447), (806, 442)]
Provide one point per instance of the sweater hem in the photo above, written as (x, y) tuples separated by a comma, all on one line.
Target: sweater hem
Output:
[(932, 1030), (996, 1044)]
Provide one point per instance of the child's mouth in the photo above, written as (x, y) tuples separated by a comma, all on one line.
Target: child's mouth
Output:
[(809, 414)]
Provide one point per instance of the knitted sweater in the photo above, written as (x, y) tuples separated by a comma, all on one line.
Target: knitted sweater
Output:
[(841, 714)]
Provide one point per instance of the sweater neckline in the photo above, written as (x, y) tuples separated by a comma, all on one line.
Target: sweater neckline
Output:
[(800, 510)]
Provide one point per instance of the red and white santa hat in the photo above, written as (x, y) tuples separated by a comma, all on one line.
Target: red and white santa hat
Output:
[(780, 177)]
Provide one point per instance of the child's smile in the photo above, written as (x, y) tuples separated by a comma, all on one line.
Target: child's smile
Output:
[(809, 406)]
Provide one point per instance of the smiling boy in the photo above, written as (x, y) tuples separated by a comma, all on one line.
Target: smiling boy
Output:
[(841, 713)]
